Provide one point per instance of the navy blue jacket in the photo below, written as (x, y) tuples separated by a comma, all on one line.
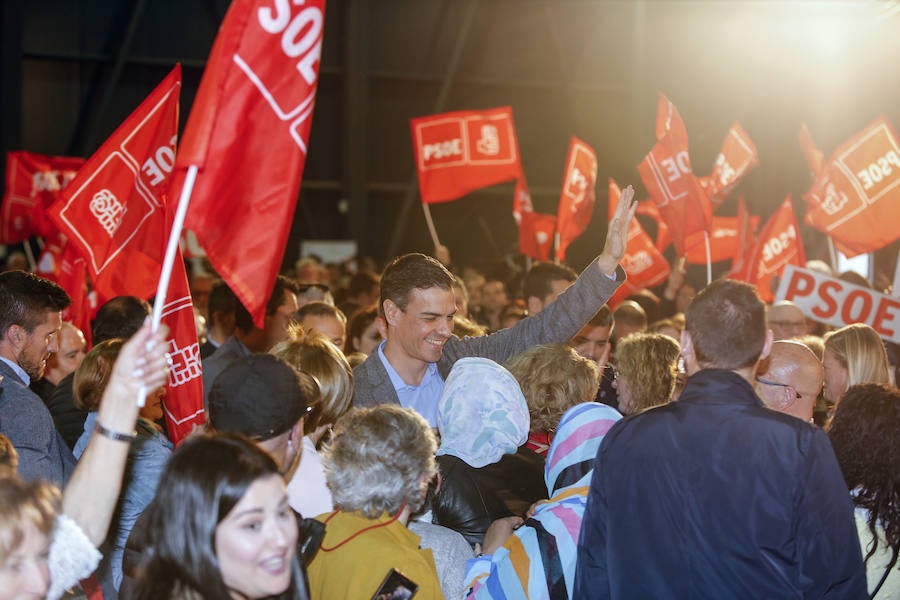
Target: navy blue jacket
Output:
[(716, 496)]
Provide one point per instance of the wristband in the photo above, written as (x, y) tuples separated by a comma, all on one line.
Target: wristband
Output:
[(114, 435)]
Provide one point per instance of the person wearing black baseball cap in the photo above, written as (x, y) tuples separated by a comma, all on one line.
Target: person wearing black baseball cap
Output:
[(264, 398)]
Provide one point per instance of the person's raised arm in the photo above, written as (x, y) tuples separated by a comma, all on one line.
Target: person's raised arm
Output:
[(93, 490), (617, 235)]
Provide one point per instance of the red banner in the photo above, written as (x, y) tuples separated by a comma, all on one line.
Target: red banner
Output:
[(667, 175), (59, 261), (458, 152), (814, 157), (114, 213), (856, 197), (663, 237), (737, 157), (746, 241), (184, 390), (113, 210), (724, 241), (643, 263), (777, 246), (248, 133), (33, 183), (576, 202), (535, 229)]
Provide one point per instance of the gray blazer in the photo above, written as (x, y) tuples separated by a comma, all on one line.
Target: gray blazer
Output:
[(27, 423), (557, 323)]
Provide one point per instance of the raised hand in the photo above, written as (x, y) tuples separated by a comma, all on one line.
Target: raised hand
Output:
[(617, 235)]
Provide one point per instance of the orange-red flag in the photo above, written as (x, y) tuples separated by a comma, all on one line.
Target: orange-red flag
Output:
[(778, 245), (247, 133), (576, 202), (724, 241), (667, 175), (535, 229), (746, 240), (114, 213), (643, 263), (856, 197), (33, 183), (459, 152), (737, 157)]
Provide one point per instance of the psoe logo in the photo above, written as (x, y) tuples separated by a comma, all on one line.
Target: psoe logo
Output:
[(489, 142), (108, 211), (834, 200)]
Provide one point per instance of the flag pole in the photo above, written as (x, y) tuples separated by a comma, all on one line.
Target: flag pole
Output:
[(430, 223), (171, 251), (708, 258)]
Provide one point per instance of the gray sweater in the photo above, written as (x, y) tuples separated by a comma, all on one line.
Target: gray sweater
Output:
[(557, 323)]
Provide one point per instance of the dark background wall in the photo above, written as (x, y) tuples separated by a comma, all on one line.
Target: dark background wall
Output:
[(73, 69)]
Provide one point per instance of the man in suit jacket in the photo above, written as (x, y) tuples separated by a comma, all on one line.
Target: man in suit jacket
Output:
[(418, 305), (30, 320)]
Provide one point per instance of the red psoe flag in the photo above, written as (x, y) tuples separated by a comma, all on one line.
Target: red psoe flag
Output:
[(777, 246), (576, 202), (724, 241), (746, 240), (112, 211), (459, 152), (856, 196), (33, 183), (737, 157), (248, 134), (667, 175), (643, 263), (184, 390), (535, 229), (663, 237)]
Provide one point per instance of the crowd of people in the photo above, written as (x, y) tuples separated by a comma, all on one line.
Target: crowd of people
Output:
[(429, 432)]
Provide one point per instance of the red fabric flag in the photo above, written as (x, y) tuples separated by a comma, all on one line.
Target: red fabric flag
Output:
[(576, 202), (458, 152), (746, 240), (248, 133), (667, 175), (59, 261), (643, 263), (33, 183), (737, 157), (113, 210), (184, 391), (724, 241), (778, 245), (814, 157), (856, 197), (535, 229), (663, 237)]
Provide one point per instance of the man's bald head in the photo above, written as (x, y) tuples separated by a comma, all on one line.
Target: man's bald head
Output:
[(786, 320), (799, 372)]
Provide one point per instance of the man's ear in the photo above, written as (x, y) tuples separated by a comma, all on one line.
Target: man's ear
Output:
[(767, 347), (687, 353), (391, 312), (381, 326), (15, 335), (297, 433)]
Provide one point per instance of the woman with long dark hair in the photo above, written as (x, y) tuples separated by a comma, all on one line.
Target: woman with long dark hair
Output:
[(221, 527), (865, 435)]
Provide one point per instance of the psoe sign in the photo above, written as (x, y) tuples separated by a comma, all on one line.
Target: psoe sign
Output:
[(839, 303)]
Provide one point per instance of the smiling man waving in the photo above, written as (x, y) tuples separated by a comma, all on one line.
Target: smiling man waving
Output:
[(418, 305)]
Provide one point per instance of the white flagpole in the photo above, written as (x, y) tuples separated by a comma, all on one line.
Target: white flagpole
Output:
[(171, 251), (430, 223), (708, 258)]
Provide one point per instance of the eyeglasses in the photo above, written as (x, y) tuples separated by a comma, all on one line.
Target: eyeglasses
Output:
[(776, 384)]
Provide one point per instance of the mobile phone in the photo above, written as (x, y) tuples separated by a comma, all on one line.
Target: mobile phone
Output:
[(396, 586)]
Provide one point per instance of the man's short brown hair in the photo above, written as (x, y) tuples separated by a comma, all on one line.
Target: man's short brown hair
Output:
[(727, 324)]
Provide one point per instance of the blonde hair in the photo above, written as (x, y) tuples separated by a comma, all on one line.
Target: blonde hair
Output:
[(316, 355), (22, 502), (553, 378), (649, 361), (860, 350)]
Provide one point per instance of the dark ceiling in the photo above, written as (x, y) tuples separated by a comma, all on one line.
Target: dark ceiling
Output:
[(73, 69)]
